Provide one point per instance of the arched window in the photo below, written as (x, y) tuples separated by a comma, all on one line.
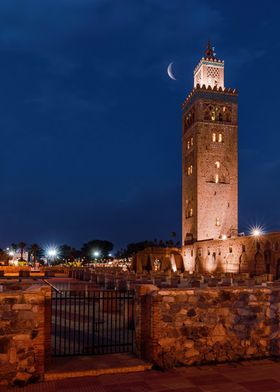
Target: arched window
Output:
[(220, 139), (188, 144), (214, 137), (218, 223), (216, 178), (217, 164), (191, 141)]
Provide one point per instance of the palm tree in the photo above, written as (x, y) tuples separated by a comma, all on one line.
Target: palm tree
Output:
[(21, 246), (34, 251)]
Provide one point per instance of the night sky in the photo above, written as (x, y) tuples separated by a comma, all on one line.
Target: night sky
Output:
[(91, 123)]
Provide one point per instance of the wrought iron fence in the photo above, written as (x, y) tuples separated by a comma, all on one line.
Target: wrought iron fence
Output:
[(92, 322)]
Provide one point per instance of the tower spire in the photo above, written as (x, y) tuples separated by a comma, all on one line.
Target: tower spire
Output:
[(209, 52)]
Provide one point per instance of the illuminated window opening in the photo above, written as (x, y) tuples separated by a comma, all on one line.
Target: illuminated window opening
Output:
[(218, 223), (191, 141), (216, 178), (214, 137), (188, 144), (213, 115), (217, 164), (220, 138), (191, 212)]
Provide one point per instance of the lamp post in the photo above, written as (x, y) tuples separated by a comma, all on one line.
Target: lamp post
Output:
[(52, 253)]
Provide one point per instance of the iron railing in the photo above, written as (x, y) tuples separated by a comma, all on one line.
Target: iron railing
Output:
[(92, 322)]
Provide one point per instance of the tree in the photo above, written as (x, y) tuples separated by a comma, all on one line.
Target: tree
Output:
[(34, 251), (21, 246), (135, 247), (68, 253), (103, 247)]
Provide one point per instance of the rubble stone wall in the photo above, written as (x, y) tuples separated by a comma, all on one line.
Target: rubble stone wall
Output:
[(196, 326), (24, 334)]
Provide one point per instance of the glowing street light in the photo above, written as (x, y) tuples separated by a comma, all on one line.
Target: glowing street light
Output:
[(96, 253), (52, 252), (256, 231)]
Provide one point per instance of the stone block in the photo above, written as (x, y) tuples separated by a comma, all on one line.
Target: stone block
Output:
[(21, 307)]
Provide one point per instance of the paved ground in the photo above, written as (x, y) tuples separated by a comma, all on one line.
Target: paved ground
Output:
[(254, 376)]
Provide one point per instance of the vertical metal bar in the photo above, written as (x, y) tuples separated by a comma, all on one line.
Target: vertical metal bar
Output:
[(54, 301), (98, 321), (89, 299), (59, 301), (119, 317), (74, 332), (69, 323), (103, 311), (92, 325), (111, 324), (79, 325), (108, 308), (115, 296), (85, 307), (133, 322), (122, 319)]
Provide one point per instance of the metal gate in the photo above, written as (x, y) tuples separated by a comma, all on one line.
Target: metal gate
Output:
[(92, 322)]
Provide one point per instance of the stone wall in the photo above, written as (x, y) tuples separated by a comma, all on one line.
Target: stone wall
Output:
[(242, 254), (196, 326), (24, 334)]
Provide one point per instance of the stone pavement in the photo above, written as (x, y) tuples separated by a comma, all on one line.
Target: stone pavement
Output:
[(253, 376)]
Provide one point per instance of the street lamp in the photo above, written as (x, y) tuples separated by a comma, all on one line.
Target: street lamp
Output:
[(256, 231), (52, 253)]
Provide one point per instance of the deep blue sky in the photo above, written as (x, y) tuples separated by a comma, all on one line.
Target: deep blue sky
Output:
[(91, 124)]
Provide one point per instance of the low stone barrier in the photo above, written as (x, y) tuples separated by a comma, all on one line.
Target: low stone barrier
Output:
[(24, 334), (196, 326)]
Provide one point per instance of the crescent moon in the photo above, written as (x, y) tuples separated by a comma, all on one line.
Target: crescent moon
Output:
[(169, 72)]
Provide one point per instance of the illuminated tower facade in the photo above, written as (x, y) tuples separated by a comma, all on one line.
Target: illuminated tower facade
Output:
[(210, 155)]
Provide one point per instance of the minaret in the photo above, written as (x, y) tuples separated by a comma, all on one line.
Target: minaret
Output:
[(210, 156)]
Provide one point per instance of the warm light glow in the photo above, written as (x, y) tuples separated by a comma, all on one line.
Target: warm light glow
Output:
[(216, 178), (213, 137), (96, 253), (220, 138), (224, 237), (11, 253), (217, 164), (256, 231)]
